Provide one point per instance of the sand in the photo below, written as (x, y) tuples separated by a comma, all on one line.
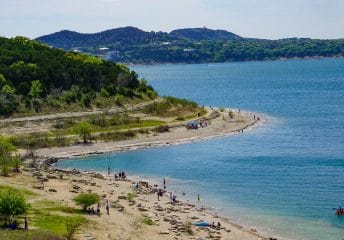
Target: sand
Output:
[(177, 134), (126, 220)]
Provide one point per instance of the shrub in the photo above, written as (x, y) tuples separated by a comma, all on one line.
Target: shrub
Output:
[(86, 199), (71, 227), (83, 129), (12, 205), (148, 221)]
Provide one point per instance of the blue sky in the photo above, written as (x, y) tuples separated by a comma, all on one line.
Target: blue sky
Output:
[(271, 19)]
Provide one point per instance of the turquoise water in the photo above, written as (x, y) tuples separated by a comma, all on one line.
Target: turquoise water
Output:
[(283, 177)]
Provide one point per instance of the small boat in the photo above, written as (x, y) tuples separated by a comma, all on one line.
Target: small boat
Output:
[(339, 211)]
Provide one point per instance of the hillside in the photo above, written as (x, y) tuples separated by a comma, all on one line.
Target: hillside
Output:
[(35, 78), (192, 45)]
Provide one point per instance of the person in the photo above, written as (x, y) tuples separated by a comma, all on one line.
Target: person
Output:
[(98, 209), (171, 197), (158, 194), (107, 206), (218, 225), (92, 210), (174, 199), (198, 198), (109, 171), (26, 225), (164, 181)]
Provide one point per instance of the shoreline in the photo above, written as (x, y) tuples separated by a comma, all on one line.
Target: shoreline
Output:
[(219, 126), (239, 61)]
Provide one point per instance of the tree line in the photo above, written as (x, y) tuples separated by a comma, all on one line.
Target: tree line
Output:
[(31, 72)]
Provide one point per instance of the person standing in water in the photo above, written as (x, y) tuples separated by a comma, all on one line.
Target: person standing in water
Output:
[(164, 181), (198, 198)]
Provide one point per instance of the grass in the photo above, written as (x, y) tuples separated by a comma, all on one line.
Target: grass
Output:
[(54, 223), (148, 221), (46, 215), (28, 235), (52, 206), (18, 190)]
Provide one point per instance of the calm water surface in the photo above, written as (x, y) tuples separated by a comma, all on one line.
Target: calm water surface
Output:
[(283, 177)]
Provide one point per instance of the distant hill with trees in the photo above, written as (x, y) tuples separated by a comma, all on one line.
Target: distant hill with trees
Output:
[(36, 77), (192, 45)]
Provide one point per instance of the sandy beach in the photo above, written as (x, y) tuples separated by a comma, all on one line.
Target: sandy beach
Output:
[(220, 124), (128, 219)]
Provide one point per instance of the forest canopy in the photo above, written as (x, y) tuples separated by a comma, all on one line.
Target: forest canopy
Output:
[(31, 71)]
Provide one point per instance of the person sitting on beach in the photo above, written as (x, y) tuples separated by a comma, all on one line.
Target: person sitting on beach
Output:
[(218, 225), (92, 210), (174, 199), (89, 210)]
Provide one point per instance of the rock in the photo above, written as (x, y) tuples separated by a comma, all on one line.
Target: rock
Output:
[(164, 232), (76, 187), (40, 187), (49, 176), (142, 209), (122, 197), (52, 190)]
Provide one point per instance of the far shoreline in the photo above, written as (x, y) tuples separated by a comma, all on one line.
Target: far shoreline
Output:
[(130, 64), (217, 128)]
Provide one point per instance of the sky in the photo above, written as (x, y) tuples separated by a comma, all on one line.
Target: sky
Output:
[(270, 19)]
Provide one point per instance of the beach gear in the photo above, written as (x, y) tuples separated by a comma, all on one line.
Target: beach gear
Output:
[(202, 224)]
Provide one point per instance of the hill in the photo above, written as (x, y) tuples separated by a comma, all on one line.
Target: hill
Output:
[(191, 45), (34, 77), (199, 34)]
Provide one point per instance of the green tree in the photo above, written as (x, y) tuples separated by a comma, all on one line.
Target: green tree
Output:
[(8, 100), (35, 92), (2, 80), (7, 89), (86, 199), (12, 205), (6, 147), (84, 130)]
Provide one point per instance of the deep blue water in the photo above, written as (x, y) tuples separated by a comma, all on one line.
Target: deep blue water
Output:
[(283, 177)]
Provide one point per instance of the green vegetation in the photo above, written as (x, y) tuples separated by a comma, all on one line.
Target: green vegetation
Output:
[(36, 78), (86, 199), (12, 205), (28, 235), (6, 147), (191, 46), (25, 192), (56, 224), (84, 130), (171, 107), (148, 221)]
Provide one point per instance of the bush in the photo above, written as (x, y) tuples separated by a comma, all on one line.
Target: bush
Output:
[(83, 129), (12, 205), (71, 227), (86, 199)]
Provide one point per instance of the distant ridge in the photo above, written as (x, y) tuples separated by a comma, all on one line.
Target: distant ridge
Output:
[(188, 45), (199, 34), (69, 39)]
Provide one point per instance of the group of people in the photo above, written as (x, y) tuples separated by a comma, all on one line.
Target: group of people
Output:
[(91, 210), (120, 175), (340, 211)]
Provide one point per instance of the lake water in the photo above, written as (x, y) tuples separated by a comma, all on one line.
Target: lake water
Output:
[(283, 177)]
